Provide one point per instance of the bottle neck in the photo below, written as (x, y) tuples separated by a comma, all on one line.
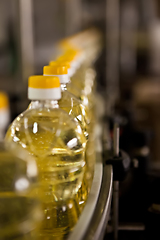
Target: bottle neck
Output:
[(2, 134), (43, 104)]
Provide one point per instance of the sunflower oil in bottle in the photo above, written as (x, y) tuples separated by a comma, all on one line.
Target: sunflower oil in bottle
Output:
[(57, 142), (73, 88), (81, 64), (75, 91), (66, 64), (20, 206), (69, 102), (90, 146), (4, 114), (82, 86), (83, 79)]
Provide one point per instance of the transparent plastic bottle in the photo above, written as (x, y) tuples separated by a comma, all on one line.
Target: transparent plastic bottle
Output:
[(70, 103), (90, 41), (90, 147), (80, 94), (82, 78), (70, 72), (20, 208), (80, 64), (82, 85), (57, 142), (4, 114)]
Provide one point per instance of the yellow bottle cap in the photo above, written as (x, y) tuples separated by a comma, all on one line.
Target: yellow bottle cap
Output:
[(64, 44), (40, 81), (4, 103), (67, 58), (44, 87), (68, 45), (53, 63), (55, 70), (60, 63)]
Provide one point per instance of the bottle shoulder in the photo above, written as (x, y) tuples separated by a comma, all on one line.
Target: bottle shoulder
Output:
[(74, 90), (69, 98), (45, 115), (41, 129), (70, 101)]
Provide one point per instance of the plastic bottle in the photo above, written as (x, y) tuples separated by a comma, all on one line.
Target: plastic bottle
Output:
[(4, 114), (83, 79), (69, 102), (72, 88), (20, 208), (58, 143)]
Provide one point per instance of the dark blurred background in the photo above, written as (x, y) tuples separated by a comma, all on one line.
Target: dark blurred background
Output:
[(128, 76)]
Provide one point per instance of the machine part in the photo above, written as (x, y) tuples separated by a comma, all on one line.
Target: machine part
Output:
[(121, 165), (116, 183)]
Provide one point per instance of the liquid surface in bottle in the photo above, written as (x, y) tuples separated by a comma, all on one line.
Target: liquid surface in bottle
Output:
[(57, 143)]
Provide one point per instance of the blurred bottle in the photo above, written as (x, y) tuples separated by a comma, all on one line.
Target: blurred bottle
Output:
[(83, 78), (89, 41), (69, 102), (20, 209), (73, 107), (90, 146), (58, 144), (82, 85), (79, 93), (4, 114), (70, 72)]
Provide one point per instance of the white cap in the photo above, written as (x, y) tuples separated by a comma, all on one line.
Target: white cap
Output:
[(71, 71), (4, 117)]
